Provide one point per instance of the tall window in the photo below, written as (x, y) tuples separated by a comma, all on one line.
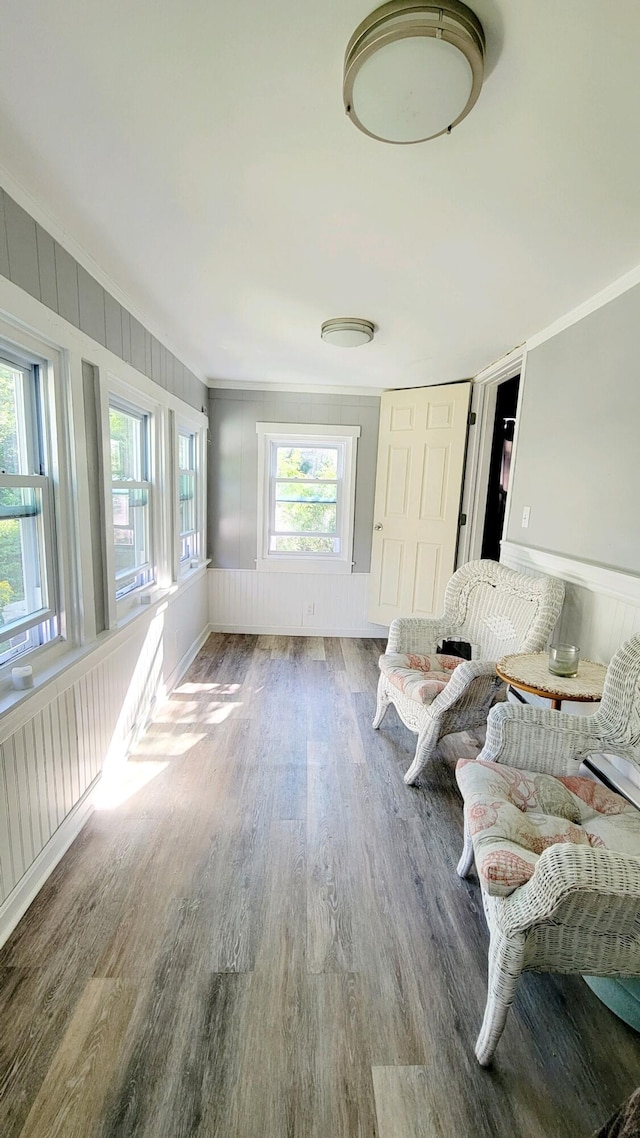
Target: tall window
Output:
[(306, 496), (131, 492), (188, 512), (28, 600)]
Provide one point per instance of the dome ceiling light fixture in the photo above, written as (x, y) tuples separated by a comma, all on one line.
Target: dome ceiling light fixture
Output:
[(413, 71), (347, 332)]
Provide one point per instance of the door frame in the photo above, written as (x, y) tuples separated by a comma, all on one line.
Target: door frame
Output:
[(484, 393)]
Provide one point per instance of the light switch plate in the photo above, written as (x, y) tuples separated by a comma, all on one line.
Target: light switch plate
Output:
[(526, 514)]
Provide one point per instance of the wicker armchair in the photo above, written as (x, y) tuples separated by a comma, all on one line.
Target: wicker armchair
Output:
[(487, 604), (577, 908)]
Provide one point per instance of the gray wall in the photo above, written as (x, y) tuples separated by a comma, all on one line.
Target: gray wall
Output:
[(233, 465), (31, 259), (578, 453)]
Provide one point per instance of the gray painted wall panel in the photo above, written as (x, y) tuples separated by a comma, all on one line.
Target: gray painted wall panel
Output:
[(233, 469), (23, 248), (113, 325), (67, 279), (47, 268), (4, 249), (126, 334), (578, 457), (91, 294), (138, 359)]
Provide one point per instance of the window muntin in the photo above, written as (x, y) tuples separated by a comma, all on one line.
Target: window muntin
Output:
[(188, 535), (28, 594), (131, 494), (306, 496)]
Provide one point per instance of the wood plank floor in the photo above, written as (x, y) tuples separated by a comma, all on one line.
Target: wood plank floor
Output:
[(267, 938)]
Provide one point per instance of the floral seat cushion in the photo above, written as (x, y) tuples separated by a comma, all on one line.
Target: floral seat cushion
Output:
[(513, 815), (419, 677)]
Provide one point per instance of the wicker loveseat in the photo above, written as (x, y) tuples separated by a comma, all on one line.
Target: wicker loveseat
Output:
[(487, 604), (558, 855)]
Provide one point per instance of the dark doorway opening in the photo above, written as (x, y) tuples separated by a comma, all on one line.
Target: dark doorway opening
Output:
[(500, 467)]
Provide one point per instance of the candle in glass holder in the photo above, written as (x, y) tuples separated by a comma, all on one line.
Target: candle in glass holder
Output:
[(564, 659)]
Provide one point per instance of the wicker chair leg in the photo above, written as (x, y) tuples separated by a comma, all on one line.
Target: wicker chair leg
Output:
[(466, 860), (505, 966), (382, 703), (426, 745)]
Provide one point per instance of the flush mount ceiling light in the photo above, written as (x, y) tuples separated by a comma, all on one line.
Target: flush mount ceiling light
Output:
[(413, 71), (347, 332)]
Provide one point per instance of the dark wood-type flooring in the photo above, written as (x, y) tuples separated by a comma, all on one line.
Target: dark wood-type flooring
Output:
[(267, 938)]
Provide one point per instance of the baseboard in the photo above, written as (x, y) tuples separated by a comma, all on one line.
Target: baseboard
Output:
[(30, 884), (280, 630)]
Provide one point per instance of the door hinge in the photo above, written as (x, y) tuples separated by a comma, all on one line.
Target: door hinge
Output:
[(463, 519), (472, 418)]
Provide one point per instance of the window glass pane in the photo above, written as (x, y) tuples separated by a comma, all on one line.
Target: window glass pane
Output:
[(13, 457), (306, 462), (304, 545), (306, 491), (130, 529), (127, 445), (187, 503), (300, 517), (21, 593), (185, 452)]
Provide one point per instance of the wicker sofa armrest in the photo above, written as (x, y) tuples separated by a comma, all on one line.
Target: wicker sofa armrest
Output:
[(417, 634), (561, 871), (537, 739)]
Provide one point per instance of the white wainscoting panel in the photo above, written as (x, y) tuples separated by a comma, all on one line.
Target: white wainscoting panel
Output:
[(290, 604), (54, 747), (601, 608)]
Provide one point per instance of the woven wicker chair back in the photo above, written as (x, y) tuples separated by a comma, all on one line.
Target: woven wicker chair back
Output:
[(619, 712), (500, 610)]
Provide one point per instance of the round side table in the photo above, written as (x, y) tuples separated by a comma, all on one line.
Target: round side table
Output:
[(529, 671)]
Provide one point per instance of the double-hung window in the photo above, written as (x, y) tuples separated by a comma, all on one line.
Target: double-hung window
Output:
[(306, 495), (188, 505), (131, 495), (28, 590)]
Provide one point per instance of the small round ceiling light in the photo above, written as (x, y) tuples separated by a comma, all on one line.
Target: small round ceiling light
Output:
[(347, 332), (413, 71)]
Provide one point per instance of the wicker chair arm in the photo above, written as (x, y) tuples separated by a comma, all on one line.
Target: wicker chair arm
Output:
[(548, 742), (417, 634), (462, 678), (566, 869)]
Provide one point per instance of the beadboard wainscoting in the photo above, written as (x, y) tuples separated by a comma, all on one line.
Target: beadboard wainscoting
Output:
[(601, 608), (290, 604), (55, 743)]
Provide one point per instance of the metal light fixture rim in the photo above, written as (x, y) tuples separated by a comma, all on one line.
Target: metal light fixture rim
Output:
[(347, 324), (465, 32)]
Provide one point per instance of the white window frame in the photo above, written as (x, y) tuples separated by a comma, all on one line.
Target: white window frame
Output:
[(272, 435), (49, 628), (113, 392), (184, 425)]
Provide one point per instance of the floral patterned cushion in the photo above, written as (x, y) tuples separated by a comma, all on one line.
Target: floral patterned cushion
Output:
[(419, 677), (513, 815)]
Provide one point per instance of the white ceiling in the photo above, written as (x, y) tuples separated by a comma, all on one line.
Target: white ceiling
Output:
[(199, 153)]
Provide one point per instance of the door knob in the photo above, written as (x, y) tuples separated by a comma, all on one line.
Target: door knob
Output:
[(378, 525)]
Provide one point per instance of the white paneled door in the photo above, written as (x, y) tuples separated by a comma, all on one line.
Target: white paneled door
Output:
[(421, 449)]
